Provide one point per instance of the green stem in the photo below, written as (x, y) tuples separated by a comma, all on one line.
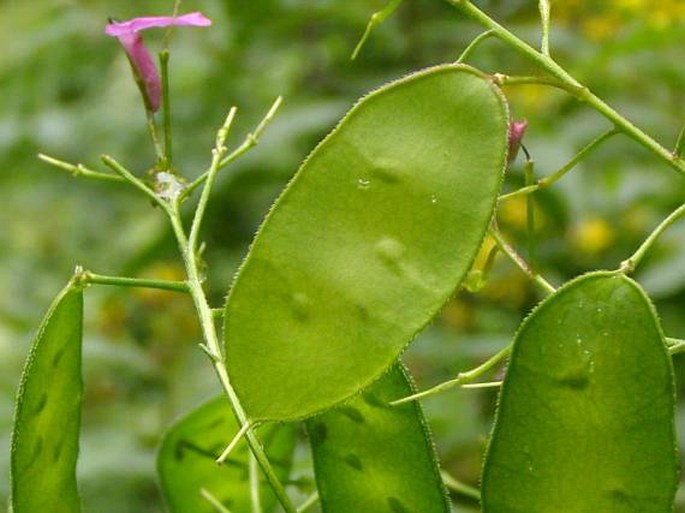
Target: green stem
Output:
[(529, 173), (136, 182), (166, 105), (561, 172), (214, 350), (88, 278), (508, 80), (519, 261), (583, 94), (675, 345), (461, 379), (474, 44), (216, 503), (376, 19), (255, 496), (78, 170), (629, 264), (217, 155), (678, 148), (456, 486), (308, 504), (544, 8), (250, 142), (152, 128)]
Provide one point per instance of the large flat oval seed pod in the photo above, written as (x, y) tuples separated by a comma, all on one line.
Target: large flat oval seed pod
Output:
[(373, 457), (47, 421), (368, 241), (586, 415)]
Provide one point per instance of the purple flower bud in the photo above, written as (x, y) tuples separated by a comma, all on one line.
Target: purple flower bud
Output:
[(143, 65), (517, 129)]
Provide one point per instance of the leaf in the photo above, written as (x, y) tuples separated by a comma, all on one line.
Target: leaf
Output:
[(45, 439), (369, 456), (368, 241), (586, 414), (187, 461)]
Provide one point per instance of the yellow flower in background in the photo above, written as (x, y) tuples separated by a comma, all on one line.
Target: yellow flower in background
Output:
[(601, 20), (593, 236)]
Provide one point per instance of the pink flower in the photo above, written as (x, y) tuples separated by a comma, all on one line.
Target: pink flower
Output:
[(144, 69), (517, 129)]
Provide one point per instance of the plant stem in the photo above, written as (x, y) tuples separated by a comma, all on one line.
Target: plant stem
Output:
[(561, 172), (519, 261), (255, 496), (152, 128), (80, 170), (529, 173), (216, 503), (678, 148), (250, 142), (474, 44), (629, 264), (508, 80), (88, 278), (311, 501), (376, 19), (136, 182), (544, 8), (456, 486), (461, 379), (166, 104), (217, 154), (214, 351), (675, 345), (583, 93)]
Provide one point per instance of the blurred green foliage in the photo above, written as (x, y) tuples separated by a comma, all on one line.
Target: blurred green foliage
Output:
[(67, 91)]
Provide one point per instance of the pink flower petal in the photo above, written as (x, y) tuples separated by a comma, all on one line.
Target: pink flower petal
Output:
[(517, 130), (193, 19), (144, 70)]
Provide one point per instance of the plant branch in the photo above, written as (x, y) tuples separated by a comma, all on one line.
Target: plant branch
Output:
[(166, 105), (561, 172), (461, 379), (583, 94), (309, 503), (255, 495), (678, 148), (79, 170), (88, 278), (250, 142), (136, 182), (544, 7), (474, 44), (629, 264), (376, 19), (217, 154), (456, 486), (519, 261), (216, 503)]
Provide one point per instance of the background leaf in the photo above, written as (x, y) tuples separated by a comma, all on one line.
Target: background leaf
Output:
[(369, 456), (45, 439), (586, 415), (367, 243)]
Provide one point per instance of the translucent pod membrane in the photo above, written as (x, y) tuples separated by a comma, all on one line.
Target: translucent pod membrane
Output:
[(585, 422), (368, 241)]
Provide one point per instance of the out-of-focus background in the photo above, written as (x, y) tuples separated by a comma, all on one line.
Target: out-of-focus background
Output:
[(67, 91)]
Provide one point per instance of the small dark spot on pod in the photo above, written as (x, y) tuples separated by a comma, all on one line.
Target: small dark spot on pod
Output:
[(353, 461), (352, 413), (373, 400), (396, 505), (42, 401)]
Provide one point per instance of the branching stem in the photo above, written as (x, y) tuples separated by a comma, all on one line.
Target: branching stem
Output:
[(474, 44), (461, 379), (583, 93), (87, 278), (629, 264), (79, 170), (519, 261), (561, 172)]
